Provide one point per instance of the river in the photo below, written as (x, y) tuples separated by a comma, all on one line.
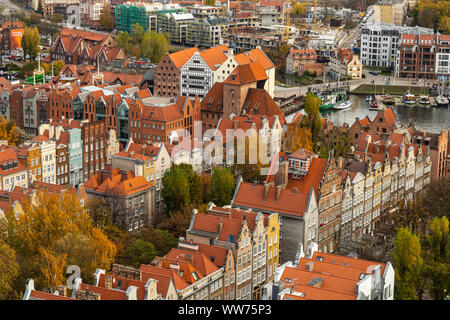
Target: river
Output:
[(427, 119)]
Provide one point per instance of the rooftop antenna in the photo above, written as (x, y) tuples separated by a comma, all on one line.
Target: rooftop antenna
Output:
[(98, 77)]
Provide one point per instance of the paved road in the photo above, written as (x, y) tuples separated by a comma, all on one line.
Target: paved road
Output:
[(9, 6), (379, 80)]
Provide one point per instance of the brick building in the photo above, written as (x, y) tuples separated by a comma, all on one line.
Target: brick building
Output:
[(129, 197), (94, 138), (153, 119)]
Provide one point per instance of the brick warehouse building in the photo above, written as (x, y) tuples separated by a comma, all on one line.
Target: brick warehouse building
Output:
[(417, 56), (153, 118), (94, 136)]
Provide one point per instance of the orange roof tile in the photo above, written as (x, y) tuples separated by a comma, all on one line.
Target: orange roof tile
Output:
[(179, 58), (290, 202), (255, 55), (312, 178)]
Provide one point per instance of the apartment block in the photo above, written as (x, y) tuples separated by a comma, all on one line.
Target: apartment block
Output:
[(130, 197)]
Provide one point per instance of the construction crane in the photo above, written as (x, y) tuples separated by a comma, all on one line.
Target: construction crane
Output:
[(315, 14)]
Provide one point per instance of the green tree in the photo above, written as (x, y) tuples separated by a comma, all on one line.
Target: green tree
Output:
[(407, 264), (195, 183), (437, 257), (162, 239), (106, 17), (175, 189), (123, 40), (9, 269), (154, 46), (140, 252), (56, 18), (137, 32), (221, 187)]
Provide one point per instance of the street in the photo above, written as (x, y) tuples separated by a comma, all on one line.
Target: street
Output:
[(9, 7)]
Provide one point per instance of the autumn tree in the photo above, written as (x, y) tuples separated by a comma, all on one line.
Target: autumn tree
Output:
[(407, 264), (312, 120), (30, 43), (177, 222), (107, 17), (299, 10), (57, 66), (9, 269), (221, 187), (8, 131), (52, 232), (298, 137)]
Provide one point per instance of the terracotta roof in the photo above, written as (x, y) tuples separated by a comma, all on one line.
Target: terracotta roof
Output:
[(217, 255), (132, 155), (365, 122), (259, 101), (302, 154), (117, 183), (163, 276), (7, 155), (179, 58), (290, 202), (297, 54), (255, 55), (247, 73), (147, 150), (332, 286), (311, 179), (390, 116), (213, 101), (198, 259), (40, 295), (357, 263), (215, 56), (105, 294)]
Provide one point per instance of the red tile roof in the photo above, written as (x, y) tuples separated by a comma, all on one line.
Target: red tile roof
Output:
[(255, 55), (290, 202), (311, 179), (179, 58), (117, 183), (247, 73), (40, 295)]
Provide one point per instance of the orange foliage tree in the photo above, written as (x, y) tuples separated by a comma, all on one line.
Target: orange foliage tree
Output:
[(8, 131), (53, 232)]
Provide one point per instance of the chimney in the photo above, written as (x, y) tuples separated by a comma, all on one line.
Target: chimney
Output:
[(266, 190), (175, 267), (62, 290), (108, 281), (278, 192), (235, 124), (281, 177), (219, 227), (310, 266)]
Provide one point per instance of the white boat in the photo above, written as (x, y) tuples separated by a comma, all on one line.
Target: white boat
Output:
[(409, 98), (343, 105), (441, 101), (424, 100)]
